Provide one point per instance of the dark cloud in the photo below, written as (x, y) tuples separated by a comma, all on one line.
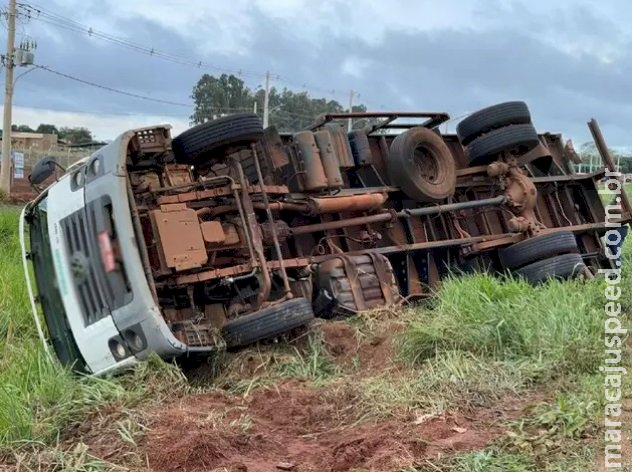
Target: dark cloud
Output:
[(551, 60)]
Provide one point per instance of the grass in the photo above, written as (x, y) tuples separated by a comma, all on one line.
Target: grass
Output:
[(312, 363), (554, 324), (606, 197), (480, 339), (550, 336), (451, 381), (40, 399)]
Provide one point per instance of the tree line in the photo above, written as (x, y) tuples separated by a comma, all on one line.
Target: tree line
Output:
[(72, 135), (288, 110)]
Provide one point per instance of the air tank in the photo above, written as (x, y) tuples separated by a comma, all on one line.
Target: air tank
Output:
[(360, 147), (312, 177), (339, 140), (329, 159)]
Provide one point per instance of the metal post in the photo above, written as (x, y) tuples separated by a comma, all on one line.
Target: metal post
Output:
[(5, 171), (350, 121), (255, 234), (608, 162), (266, 101), (273, 231)]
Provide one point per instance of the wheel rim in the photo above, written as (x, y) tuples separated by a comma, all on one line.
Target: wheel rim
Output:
[(427, 165)]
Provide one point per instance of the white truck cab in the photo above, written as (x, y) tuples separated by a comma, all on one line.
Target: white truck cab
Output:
[(92, 288)]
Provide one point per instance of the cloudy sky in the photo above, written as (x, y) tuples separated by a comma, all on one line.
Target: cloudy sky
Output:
[(569, 59)]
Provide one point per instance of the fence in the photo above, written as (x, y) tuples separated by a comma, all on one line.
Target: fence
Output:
[(21, 189)]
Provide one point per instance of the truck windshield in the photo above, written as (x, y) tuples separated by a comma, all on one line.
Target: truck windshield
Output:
[(48, 290)]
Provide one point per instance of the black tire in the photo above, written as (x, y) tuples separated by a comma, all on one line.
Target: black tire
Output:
[(490, 118), (485, 149), (267, 323), (360, 148), (421, 164), (558, 267), (538, 248), (234, 131)]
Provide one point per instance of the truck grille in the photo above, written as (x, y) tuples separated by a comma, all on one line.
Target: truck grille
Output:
[(86, 267)]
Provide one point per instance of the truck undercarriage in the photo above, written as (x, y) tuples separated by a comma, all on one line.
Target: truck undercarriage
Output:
[(235, 223)]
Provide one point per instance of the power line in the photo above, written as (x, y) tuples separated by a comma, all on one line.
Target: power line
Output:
[(36, 12), (46, 16), (128, 114), (113, 90), (158, 100)]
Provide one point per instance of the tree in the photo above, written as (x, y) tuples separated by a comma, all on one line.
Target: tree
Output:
[(22, 128), (47, 129), (288, 110), (214, 97), (77, 135), (292, 111)]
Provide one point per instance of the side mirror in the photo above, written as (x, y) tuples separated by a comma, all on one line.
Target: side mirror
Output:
[(41, 171)]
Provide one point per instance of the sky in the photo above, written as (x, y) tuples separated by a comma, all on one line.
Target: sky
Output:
[(570, 60)]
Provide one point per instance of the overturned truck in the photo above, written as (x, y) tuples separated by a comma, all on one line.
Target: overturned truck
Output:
[(230, 234)]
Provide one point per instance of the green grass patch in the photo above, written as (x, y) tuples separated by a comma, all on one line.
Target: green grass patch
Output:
[(550, 336), (38, 399), (312, 363), (480, 339), (453, 380), (556, 324), (561, 435), (15, 320)]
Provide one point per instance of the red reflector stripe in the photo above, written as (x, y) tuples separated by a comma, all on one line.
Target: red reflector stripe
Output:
[(107, 254)]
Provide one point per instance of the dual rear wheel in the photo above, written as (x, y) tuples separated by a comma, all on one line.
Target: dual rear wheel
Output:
[(554, 255), (494, 130)]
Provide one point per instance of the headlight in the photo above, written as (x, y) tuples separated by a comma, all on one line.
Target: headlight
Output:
[(78, 178), (95, 166)]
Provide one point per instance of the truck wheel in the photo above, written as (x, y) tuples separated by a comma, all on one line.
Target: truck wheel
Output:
[(490, 118), (267, 323), (421, 164), (234, 131), (486, 148), (538, 248), (565, 266)]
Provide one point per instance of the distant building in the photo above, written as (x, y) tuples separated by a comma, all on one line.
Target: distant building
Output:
[(33, 141)]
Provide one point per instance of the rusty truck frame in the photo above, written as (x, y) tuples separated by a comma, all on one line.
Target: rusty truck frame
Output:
[(230, 234)]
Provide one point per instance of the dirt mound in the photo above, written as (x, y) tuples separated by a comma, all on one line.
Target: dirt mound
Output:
[(301, 429), (339, 338), (347, 345)]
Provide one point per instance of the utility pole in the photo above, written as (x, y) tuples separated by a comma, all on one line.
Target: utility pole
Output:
[(618, 162), (350, 122), (266, 101), (9, 64)]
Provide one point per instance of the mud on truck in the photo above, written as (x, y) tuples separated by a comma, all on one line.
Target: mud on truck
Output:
[(231, 234)]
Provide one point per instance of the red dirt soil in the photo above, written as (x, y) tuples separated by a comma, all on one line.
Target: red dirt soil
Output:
[(302, 429), (341, 341)]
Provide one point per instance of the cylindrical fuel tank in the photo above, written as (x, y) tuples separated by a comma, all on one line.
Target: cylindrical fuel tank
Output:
[(312, 177), (342, 150), (329, 159), (360, 148)]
